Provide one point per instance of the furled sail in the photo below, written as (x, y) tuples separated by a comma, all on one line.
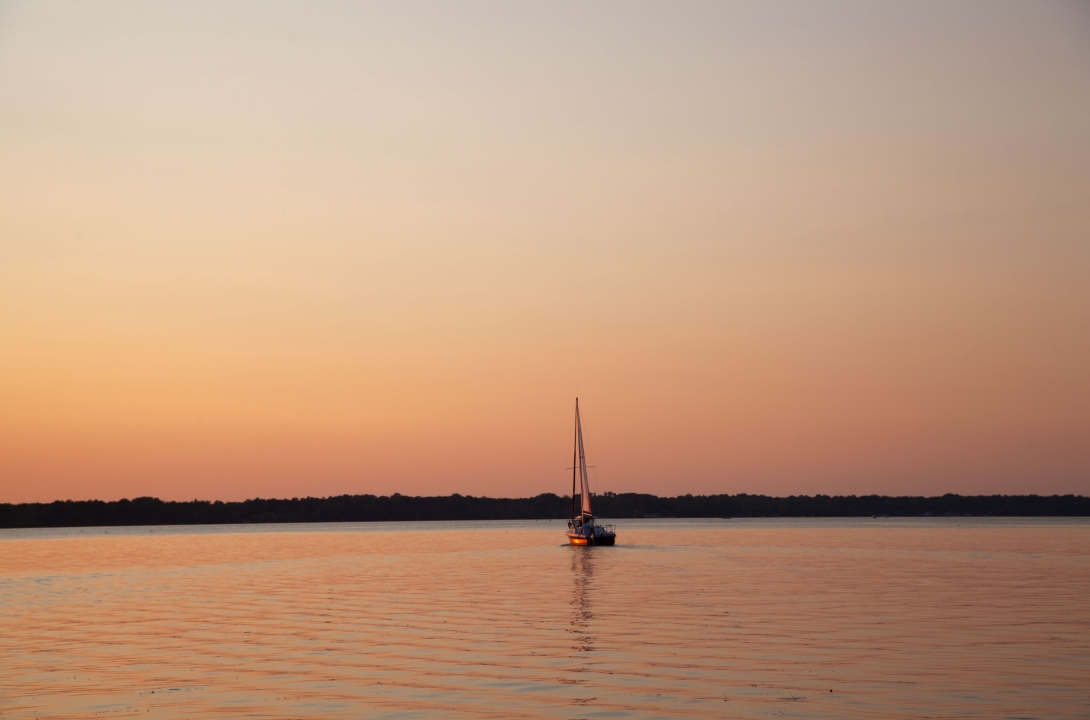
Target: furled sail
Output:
[(584, 488)]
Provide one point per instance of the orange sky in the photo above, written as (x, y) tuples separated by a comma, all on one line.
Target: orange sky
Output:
[(261, 249)]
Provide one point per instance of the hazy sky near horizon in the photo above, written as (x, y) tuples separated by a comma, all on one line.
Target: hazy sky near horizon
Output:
[(286, 249)]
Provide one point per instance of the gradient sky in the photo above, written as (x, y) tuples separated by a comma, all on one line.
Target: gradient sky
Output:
[(286, 249)]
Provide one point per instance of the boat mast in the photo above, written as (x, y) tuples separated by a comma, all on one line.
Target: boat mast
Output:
[(574, 458)]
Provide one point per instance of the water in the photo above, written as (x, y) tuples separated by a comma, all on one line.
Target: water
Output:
[(951, 617)]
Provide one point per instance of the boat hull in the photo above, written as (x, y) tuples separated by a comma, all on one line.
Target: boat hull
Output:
[(599, 540)]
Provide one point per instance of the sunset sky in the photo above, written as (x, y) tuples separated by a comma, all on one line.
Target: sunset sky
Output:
[(287, 249)]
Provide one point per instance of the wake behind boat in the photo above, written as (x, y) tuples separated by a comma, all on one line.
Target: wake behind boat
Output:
[(582, 528)]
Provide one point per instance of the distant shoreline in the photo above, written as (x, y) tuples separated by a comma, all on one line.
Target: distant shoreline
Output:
[(396, 507)]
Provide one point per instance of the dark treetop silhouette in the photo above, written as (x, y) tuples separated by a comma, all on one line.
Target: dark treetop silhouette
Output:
[(368, 508)]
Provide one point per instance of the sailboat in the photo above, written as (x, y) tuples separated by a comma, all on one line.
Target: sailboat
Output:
[(582, 528)]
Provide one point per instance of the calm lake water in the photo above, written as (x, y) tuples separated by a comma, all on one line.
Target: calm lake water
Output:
[(951, 617)]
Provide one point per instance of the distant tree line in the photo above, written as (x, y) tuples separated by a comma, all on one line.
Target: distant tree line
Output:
[(396, 507)]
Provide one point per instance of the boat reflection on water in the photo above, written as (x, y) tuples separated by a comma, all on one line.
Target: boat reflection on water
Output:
[(582, 570)]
